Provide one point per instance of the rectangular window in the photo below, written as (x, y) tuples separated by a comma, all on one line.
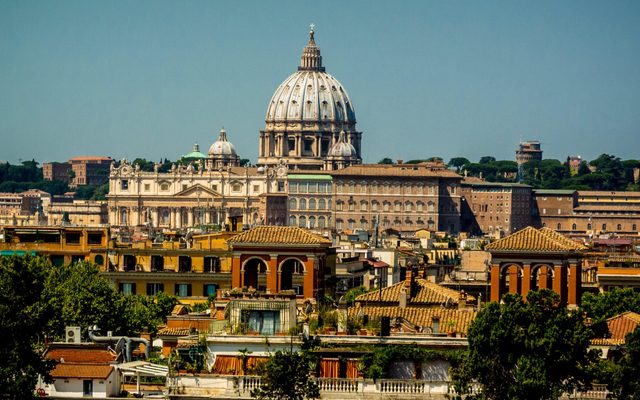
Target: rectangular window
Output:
[(183, 289), (214, 188), (154, 288), (210, 289), (73, 238), (211, 264), (128, 288), (124, 184), (280, 186), (293, 187), (147, 187), (256, 188)]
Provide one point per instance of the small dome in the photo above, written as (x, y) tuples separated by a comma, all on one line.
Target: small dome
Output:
[(342, 148), (195, 154), (222, 147)]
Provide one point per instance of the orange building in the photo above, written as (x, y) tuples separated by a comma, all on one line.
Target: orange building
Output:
[(533, 259), (277, 258)]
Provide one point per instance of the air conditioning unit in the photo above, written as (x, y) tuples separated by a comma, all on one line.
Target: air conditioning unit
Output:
[(72, 334)]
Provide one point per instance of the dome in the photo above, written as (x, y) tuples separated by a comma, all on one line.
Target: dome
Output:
[(342, 148), (195, 154), (222, 147), (311, 94)]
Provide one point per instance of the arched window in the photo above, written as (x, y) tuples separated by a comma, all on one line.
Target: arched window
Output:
[(312, 204), (374, 206), (302, 221), (559, 226), (312, 222), (385, 206), (408, 206), (165, 217), (619, 227), (430, 207), (588, 227), (419, 206), (397, 206), (363, 206), (339, 224), (302, 204), (124, 217), (321, 222), (322, 204), (574, 227), (292, 220), (293, 204)]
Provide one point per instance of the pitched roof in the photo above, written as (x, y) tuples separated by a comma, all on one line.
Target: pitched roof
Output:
[(618, 327), (291, 235), (450, 319), (71, 370), (426, 293), (80, 354), (174, 332), (561, 238), (531, 239)]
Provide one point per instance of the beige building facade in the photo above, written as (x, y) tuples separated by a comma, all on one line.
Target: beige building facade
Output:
[(191, 195)]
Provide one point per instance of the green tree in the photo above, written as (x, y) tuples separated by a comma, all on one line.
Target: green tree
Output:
[(626, 380), (486, 160), (458, 163), (526, 350), (386, 160), (286, 376), (22, 315)]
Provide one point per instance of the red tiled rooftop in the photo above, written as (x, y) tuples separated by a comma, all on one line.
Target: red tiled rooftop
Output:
[(70, 370), (80, 354)]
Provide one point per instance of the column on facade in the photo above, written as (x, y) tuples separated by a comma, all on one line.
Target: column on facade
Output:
[(318, 146), (156, 217), (526, 280), (560, 282), (514, 281), (496, 285), (309, 277), (273, 277), (575, 283), (190, 216), (299, 145)]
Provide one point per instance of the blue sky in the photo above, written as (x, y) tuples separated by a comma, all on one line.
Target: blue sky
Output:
[(427, 78)]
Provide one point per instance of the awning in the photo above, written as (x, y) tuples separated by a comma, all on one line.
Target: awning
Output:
[(16, 252), (143, 368)]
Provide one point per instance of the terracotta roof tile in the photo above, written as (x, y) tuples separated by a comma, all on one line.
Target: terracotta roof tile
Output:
[(623, 324), (427, 293), (70, 370), (561, 238), (531, 239), (450, 319), (174, 332), (279, 235), (84, 355)]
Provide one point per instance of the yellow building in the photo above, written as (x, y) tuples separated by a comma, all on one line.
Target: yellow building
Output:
[(63, 245)]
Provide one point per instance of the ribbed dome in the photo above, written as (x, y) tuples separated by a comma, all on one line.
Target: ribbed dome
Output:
[(310, 94), (222, 147), (342, 148)]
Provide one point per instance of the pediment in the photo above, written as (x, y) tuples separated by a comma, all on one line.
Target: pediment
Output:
[(197, 190)]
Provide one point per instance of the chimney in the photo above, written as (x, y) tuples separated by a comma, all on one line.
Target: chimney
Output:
[(408, 276), (402, 298), (462, 300)]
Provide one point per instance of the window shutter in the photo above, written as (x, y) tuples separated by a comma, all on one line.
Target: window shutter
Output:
[(149, 289), (121, 287), (133, 288), (189, 290), (176, 289)]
